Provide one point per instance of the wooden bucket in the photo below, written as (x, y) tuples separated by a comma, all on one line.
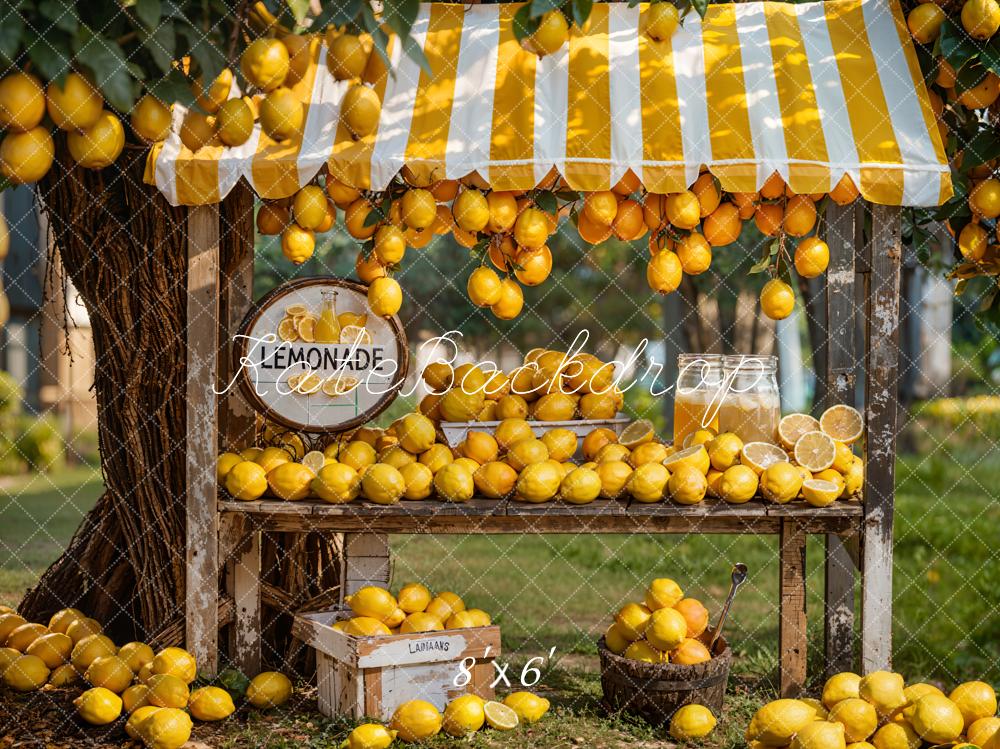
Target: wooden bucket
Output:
[(655, 691)]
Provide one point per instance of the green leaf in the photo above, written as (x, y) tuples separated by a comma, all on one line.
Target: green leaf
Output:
[(700, 6), (984, 146), (51, 56), (990, 55), (412, 50), (11, 33), (210, 60), (173, 87), (61, 12), (161, 44), (541, 7), (105, 59), (957, 47), (337, 13), (581, 11), (970, 76), (299, 10), (547, 201), (148, 12), (400, 15), (524, 23), (568, 196)]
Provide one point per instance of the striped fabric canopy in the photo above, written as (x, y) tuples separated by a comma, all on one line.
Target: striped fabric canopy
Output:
[(812, 91)]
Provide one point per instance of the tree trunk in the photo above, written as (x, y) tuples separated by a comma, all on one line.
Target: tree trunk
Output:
[(125, 250)]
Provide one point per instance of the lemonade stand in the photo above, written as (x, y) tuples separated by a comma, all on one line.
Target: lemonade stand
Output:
[(814, 93)]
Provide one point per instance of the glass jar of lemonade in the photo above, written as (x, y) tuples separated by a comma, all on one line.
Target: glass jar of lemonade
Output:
[(697, 393), (751, 407)]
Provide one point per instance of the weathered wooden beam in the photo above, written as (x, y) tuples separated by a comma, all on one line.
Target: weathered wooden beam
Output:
[(841, 365), (881, 362), (792, 629), (202, 517), (246, 599)]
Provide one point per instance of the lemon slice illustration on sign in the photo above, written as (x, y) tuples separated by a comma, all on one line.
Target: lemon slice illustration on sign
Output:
[(312, 357)]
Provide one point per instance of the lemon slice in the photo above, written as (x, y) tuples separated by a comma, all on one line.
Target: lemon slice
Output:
[(815, 451), (306, 327), (793, 426), (761, 455), (296, 310), (309, 383), (339, 385), (637, 433), (499, 716), (842, 423), (314, 460), (293, 380), (287, 331), (696, 456), (355, 334), (700, 437), (820, 493), (352, 318)]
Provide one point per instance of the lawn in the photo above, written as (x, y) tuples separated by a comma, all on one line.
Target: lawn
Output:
[(554, 595)]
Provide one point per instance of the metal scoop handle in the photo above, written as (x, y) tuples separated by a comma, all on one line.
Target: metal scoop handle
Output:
[(739, 577)]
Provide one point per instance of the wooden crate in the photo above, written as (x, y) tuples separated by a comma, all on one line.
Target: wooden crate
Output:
[(371, 676)]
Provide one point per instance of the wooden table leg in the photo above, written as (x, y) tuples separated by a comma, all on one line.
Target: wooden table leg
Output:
[(838, 612), (246, 599), (366, 561), (792, 626)]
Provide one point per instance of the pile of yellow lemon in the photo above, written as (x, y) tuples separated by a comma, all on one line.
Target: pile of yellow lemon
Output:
[(879, 711), (547, 386), (419, 720), (414, 609), (665, 627), (153, 689)]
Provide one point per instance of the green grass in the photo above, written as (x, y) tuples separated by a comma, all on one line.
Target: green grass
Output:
[(560, 591)]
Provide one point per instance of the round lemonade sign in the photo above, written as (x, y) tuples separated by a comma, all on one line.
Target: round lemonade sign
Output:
[(312, 356)]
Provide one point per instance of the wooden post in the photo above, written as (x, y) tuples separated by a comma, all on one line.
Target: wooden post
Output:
[(366, 561), (246, 599), (792, 633), (841, 363), (202, 584), (881, 361)]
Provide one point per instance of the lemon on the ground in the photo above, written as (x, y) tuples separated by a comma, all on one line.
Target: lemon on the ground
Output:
[(857, 716), (495, 479), (884, 690), (695, 456), (269, 689), (648, 482), (211, 703), (26, 157), (580, 486), (369, 736), (760, 455), (793, 426), (529, 707), (265, 63), (463, 715), (840, 687), (738, 484), (896, 735), (615, 639), (937, 719), (167, 728), (167, 690), (777, 722), (815, 451), (176, 661), (137, 718), (90, 648), (53, 648), (26, 673), (614, 475), (842, 423), (539, 482), (110, 672), (632, 620), (976, 699), (385, 297), (23, 636), (454, 483), (640, 650), (691, 721), (666, 629), (98, 706), (416, 720), (61, 676), (499, 716), (780, 482), (134, 697), (7, 656), (687, 485)]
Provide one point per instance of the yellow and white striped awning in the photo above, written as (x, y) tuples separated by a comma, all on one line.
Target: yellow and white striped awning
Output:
[(812, 91)]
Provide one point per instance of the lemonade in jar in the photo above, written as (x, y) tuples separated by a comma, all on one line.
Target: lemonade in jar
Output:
[(751, 407), (327, 328), (696, 396)]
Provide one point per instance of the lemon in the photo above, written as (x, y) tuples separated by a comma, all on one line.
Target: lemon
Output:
[(937, 719), (458, 405), (22, 636), (981, 18), (980, 732), (914, 692), (820, 493), (632, 620), (290, 481), (265, 63), (420, 621), (234, 122), (613, 452), (60, 621), (99, 145), (512, 430), (167, 728), (415, 432), (614, 475), (224, 464), (597, 406), (75, 105), (22, 102), (110, 672), (640, 650), (53, 648), (416, 720), (700, 437), (281, 114), (615, 640), (98, 706), (760, 455), (663, 592), (526, 452), (246, 480), (695, 615), (648, 482), (714, 481), (167, 690), (780, 482), (842, 423), (691, 721), (839, 687), (454, 483), (695, 456), (9, 622), (464, 715), (499, 716), (358, 455), (495, 479), (650, 452), (347, 56), (360, 110), (8, 656), (529, 707), (884, 690), (396, 456), (211, 703), (539, 482), (135, 697), (511, 407), (554, 407), (687, 485), (89, 649), (820, 734), (531, 229), (61, 676), (551, 34), (383, 484), (471, 210), (479, 446), (857, 716), (561, 444), (895, 735), (777, 299), (337, 483), (815, 451), (137, 718), (419, 480), (26, 673), (724, 450), (580, 486), (84, 627), (666, 629), (821, 712), (976, 699), (369, 736), (269, 689), (777, 722), (364, 626), (373, 601), (793, 426)]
